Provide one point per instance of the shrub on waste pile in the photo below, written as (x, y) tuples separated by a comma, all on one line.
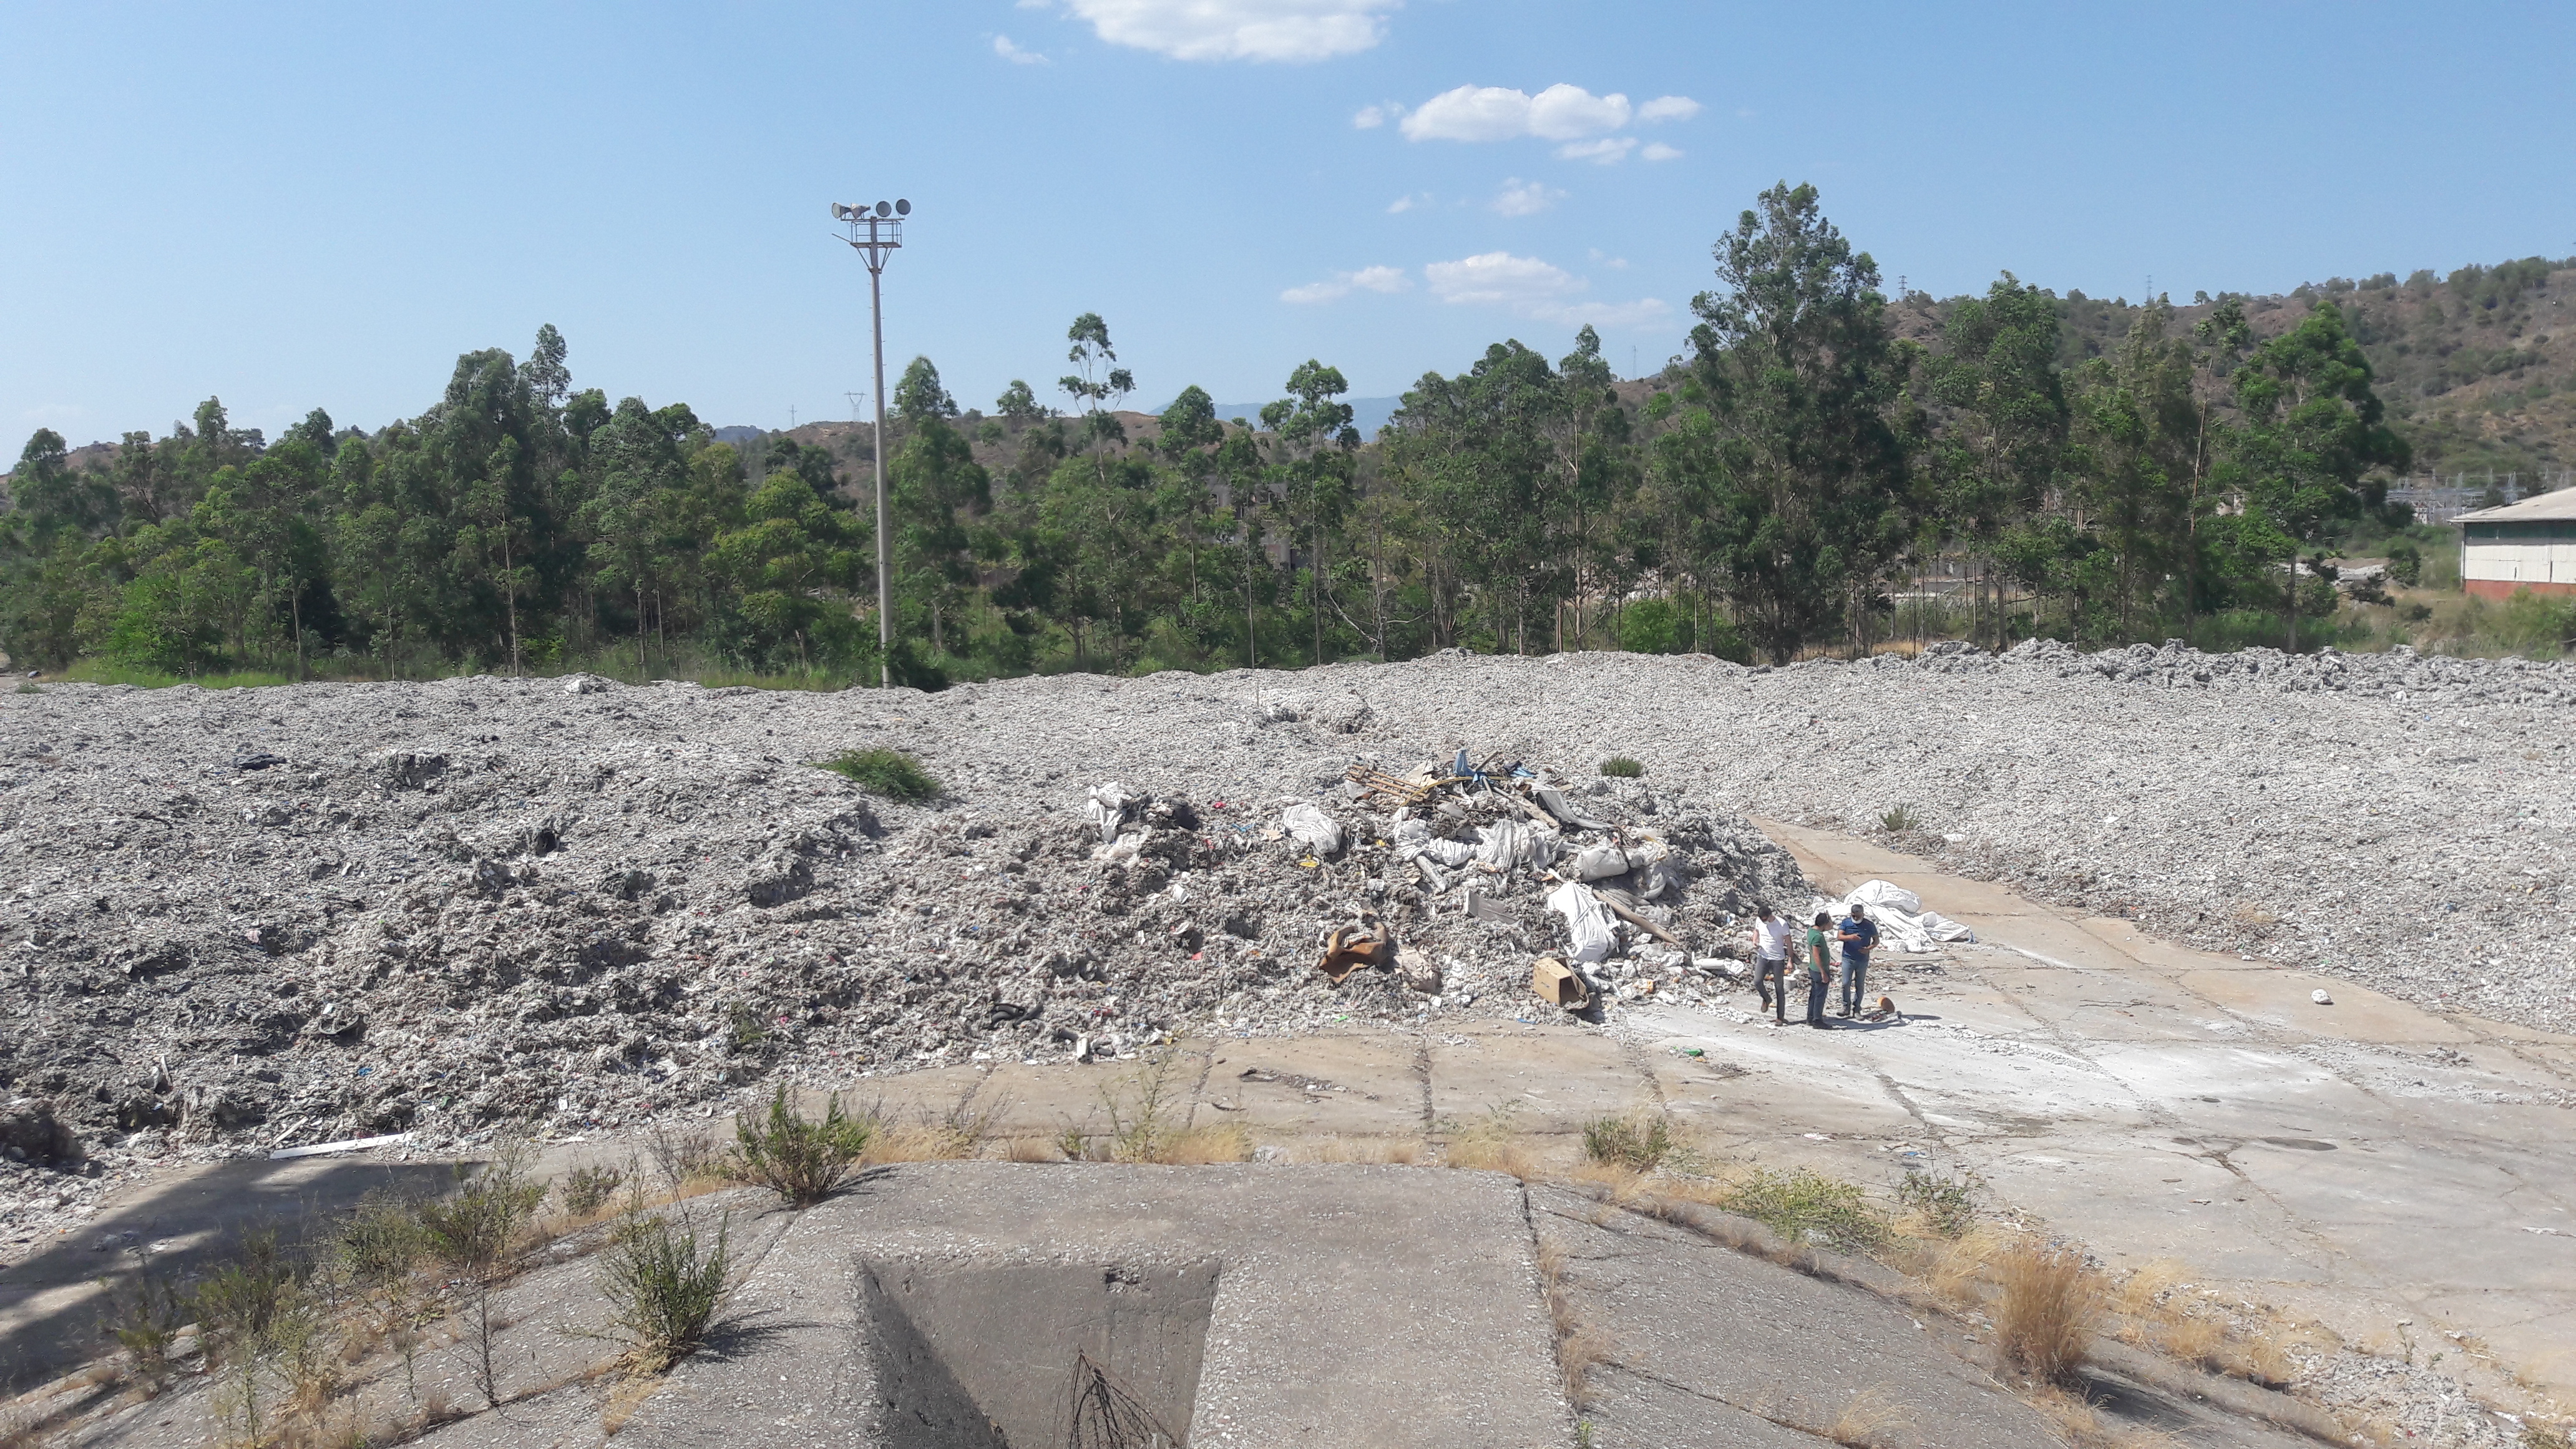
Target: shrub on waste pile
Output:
[(798, 1158), (1618, 1142), (1622, 767), (891, 773)]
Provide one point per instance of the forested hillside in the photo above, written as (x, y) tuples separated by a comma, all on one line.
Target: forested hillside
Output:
[(2478, 368), (1823, 467)]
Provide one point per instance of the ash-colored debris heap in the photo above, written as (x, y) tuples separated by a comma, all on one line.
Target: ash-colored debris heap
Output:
[(256, 919)]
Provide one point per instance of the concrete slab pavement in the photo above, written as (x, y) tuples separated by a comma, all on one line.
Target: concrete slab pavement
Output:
[(2359, 1163)]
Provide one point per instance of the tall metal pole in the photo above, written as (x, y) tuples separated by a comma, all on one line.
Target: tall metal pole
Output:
[(884, 224), (885, 543)]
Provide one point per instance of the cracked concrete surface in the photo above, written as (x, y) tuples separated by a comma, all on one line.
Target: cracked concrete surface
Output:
[(2360, 1163)]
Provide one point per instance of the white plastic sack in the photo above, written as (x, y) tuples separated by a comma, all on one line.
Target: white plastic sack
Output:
[(1413, 838), (1903, 924), (1587, 921), (1321, 832), (1600, 863), (1106, 808), (1509, 845)]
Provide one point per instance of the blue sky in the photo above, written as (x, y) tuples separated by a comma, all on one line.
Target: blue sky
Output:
[(300, 205)]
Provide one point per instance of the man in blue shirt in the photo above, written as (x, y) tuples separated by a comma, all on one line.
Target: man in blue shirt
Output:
[(1859, 937)]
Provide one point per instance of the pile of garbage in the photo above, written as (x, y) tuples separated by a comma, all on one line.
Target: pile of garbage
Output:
[(335, 912)]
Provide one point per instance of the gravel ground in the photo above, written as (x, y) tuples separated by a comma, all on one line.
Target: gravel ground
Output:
[(447, 906)]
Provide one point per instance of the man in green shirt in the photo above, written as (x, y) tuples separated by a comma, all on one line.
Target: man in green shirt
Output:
[(1820, 971)]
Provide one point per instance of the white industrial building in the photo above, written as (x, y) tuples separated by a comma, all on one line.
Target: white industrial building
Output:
[(2527, 545)]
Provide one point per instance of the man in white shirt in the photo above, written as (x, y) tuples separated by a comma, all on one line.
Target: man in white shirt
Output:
[(1771, 962)]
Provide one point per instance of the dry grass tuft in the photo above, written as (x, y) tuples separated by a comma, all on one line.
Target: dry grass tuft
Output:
[(2078, 1424), (917, 1142), (2045, 1314), (625, 1399), (2142, 1293), (2191, 1339), (1579, 1346), (1200, 1146), (1381, 1150), (1577, 1354), (1491, 1146), (1031, 1149), (2260, 1359), (1625, 1185), (1872, 1420)]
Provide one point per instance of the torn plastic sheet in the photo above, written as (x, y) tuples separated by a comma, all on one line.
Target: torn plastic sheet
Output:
[(1902, 921), (1107, 808)]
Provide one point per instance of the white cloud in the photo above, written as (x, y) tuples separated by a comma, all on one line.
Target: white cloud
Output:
[(1658, 151), (1407, 202), (1565, 113), (1036, 4), (1003, 47), (1534, 289), (1500, 279), (1291, 30), (1640, 313), (1498, 113), (1369, 118), (1470, 113), (1608, 151), (1616, 264), (1342, 284), (1526, 198), (1667, 108)]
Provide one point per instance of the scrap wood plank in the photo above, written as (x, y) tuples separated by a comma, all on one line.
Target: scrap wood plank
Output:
[(1397, 788)]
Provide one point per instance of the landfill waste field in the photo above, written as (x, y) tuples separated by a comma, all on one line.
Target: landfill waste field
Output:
[(252, 920)]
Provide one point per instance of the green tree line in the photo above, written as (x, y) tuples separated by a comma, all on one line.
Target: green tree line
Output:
[(1794, 480)]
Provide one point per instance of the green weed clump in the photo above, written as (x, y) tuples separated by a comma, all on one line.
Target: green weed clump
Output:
[(587, 1189), (1808, 1206), (799, 1158), (1947, 1206), (1899, 820), (1622, 767), (1620, 1142), (891, 773)]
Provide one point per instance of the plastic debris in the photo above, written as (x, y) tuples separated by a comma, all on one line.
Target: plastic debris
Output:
[(2320, 997), (1107, 808), (1321, 832), (1587, 921)]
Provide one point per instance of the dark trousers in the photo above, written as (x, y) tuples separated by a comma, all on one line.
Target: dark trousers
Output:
[(1771, 981), (1815, 998), (1855, 979)]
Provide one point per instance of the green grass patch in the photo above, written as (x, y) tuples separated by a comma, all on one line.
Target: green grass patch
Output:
[(108, 671), (1810, 1207), (891, 773), (1619, 1142), (1621, 767), (1898, 820)]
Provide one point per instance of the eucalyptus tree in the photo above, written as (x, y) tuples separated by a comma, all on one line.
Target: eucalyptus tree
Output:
[(1803, 379)]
